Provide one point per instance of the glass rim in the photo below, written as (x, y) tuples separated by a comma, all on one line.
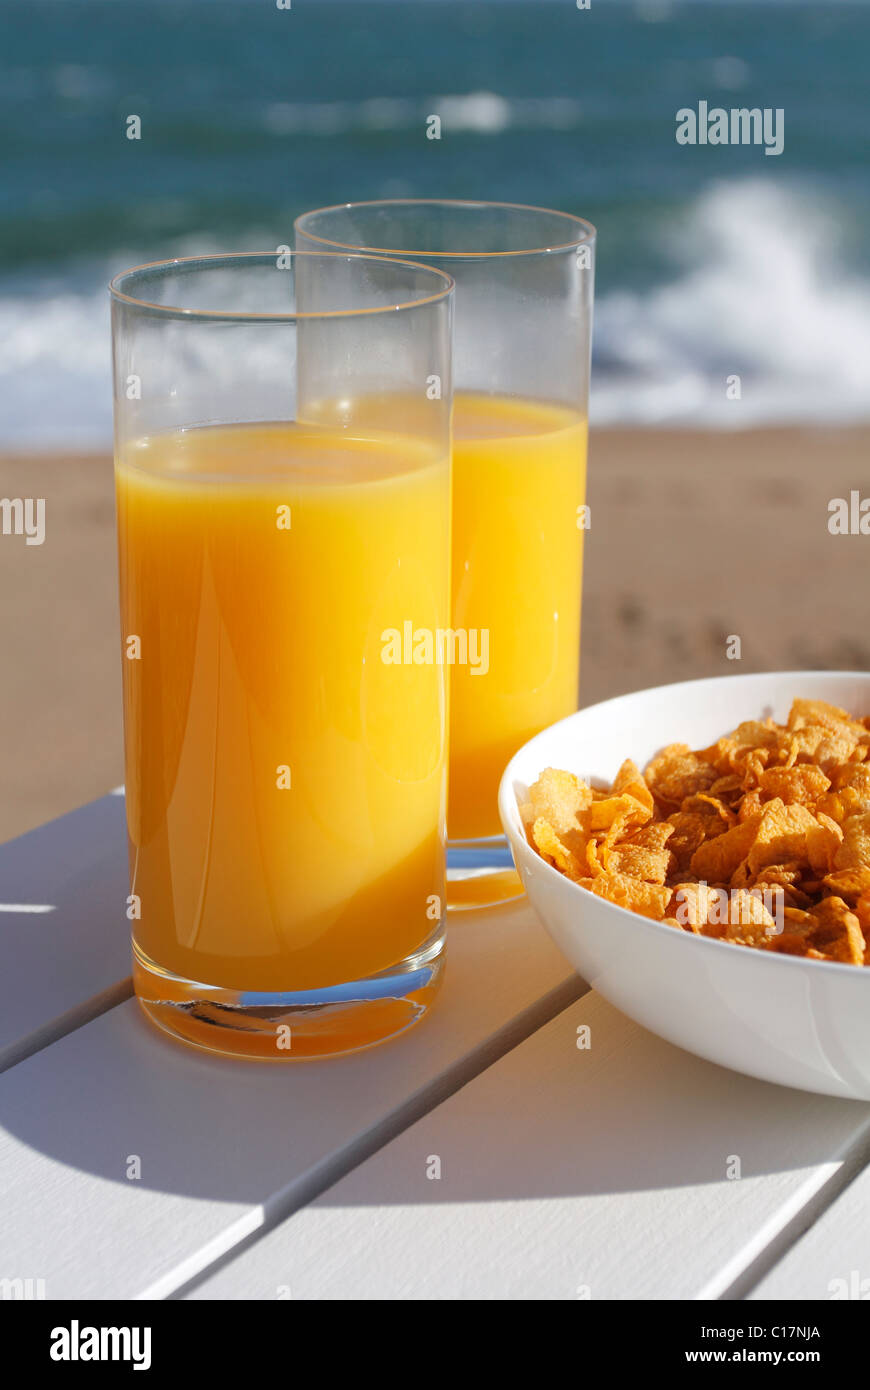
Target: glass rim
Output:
[(588, 236), (174, 311)]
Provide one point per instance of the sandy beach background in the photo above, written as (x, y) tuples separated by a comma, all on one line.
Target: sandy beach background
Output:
[(695, 537)]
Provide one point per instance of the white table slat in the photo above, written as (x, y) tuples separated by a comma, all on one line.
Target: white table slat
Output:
[(567, 1174), (226, 1145), (832, 1260), (64, 935)]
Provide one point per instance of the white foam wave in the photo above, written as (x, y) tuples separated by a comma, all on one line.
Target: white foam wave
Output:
[(55, 371), (765, 300), (760, 295)]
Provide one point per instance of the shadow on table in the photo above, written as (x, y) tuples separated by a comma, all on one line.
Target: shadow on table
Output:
[(634, 1113)]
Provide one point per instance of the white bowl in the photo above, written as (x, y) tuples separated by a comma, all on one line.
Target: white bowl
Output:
[(803, 1023)]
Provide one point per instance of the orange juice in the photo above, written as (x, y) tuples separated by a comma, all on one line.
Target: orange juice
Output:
[(519, 477), (285, 786)]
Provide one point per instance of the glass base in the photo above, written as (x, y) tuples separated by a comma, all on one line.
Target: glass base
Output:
[(480, 873), (292, 1026)]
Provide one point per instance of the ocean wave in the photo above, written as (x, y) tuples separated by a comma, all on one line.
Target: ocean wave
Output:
[(757, 293), (761, 298)]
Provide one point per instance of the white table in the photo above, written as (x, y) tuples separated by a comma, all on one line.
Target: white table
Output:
[(565, 1172)]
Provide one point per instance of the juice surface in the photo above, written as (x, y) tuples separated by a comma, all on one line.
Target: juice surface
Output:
[(519, 478), (284, 785)]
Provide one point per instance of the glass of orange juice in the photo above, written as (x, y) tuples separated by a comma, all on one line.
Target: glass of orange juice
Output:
[(524, 290), (283, 501)]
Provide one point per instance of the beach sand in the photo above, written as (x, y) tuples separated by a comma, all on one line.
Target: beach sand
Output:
[(694, 538)]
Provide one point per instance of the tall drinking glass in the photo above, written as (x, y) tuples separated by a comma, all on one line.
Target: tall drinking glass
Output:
[(283, 495), (524, 288)]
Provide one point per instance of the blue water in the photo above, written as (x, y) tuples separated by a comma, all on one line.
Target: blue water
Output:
[(712, 260)]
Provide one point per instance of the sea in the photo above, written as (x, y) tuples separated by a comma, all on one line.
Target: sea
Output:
[(714, 261)]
